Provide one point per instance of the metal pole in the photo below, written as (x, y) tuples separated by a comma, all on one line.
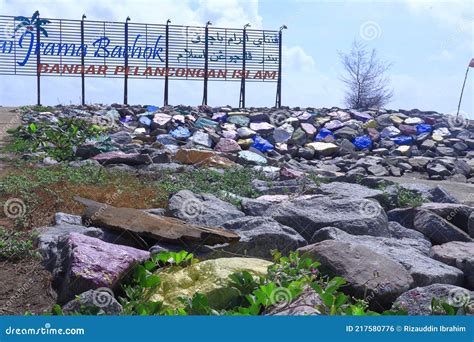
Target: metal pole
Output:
[(38, 63), (462, 91), (125, 85), (278, 94), (206, 63), (83, 79), (166, 63), (242, 82)]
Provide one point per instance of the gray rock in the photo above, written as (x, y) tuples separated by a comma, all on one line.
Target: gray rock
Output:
[(440, 195), (122, 138), (351, 190), (417, 301), (370, 275), (255, 207), (412, 254), (260, 235), (437, 170), (204, 209), (456, 214), (437, 229), (354, 216), (399, 232), (457, 254), (377, 170), (470, 228), (94, 302), (63, 218), (403, 216)]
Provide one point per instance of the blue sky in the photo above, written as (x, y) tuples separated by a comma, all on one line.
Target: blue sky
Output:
[(430, 44)]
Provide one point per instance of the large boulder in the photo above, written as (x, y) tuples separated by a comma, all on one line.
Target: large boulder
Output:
[(118, 157), (370, 275), (155, 227), (457, 254), (260, 235), (203, 209), (351, 190), (437, 229), (89, 263), (399, 232), (354, 216), (210, 277), (412, 254), (456, 214), (417, 301)]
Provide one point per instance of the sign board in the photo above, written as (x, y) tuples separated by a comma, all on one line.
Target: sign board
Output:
[(83, 48)]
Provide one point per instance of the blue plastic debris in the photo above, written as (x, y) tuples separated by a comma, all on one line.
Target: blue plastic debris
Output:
[(145, 120), (180, 133), (323, 133), (423, 128), (403, 140), (261, 144), (362, 142), (126, 118)]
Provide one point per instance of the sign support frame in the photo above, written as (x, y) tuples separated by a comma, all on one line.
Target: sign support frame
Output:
[(38, 64), (206, 63), (125, 79), (83, 76), (278, 92), (165, 97), (244, 73)]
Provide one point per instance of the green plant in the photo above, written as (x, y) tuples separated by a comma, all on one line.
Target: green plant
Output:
[(16, 245), (441, 307), (407, 198)]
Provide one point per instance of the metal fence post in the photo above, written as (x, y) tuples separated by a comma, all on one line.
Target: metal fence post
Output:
[(278, 93), (242, 82), (166, 62), (83, 79), (125, 85), (38, 63), (206, 63)]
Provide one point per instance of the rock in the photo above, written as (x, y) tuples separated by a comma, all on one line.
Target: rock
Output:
[(417, 301), (190, 156), (203, 139), (202, 209), (227, 146), (457, 214), (262, 127), (377, 170), (165, 229), (210, 277), (94, 302), (470, 228), (412, 254), (251, 158), (304, 305), (369, 275), (437, 229), (63, 218), (260, 235), (121, 138), (437, 170), (239, 120), (322, 148), (117, 157), (354, 216), (89, 263), (457, 254), (398, 231), (255, 207), (203, 122), (351, 190), (440, 195)]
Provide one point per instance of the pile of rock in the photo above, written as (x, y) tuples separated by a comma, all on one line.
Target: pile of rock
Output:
[(325, 141), (389, 257)]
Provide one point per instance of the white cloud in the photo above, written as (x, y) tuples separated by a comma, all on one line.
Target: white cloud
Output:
[(295, 58), (443, 55)]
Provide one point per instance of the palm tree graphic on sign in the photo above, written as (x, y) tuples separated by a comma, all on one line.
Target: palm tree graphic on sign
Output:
[(31, 24)]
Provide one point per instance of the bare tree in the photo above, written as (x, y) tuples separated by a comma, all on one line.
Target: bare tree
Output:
[(365, 77)]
